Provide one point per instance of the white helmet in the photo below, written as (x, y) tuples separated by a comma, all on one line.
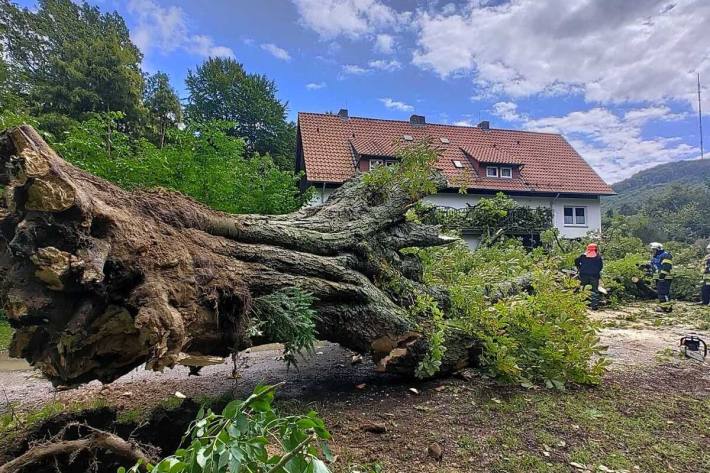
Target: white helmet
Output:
[(656, 246)]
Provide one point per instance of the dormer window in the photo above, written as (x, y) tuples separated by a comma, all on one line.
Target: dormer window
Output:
[(375, 163), (503, 172)]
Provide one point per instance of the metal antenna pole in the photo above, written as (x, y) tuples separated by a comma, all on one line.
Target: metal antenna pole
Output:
[(700, 120)]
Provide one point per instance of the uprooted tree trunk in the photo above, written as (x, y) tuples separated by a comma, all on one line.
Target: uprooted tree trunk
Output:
[(98, 280)]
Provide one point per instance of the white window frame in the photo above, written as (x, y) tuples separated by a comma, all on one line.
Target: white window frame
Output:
[(575, 215), (507, 168), (492, 168)]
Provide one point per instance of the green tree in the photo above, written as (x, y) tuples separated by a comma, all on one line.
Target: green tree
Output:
[(72, 59), (220, 89), (163, 106), (201, 161)]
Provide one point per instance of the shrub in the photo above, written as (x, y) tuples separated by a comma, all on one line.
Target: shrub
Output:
[(249, 436)]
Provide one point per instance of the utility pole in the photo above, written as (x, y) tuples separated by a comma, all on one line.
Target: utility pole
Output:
[(700, 121)]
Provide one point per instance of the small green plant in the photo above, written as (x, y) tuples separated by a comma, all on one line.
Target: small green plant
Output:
[(251, 437), (425, 305), (287, 316)]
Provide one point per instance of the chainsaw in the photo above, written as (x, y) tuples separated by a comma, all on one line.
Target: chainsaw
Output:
[(694, 347)]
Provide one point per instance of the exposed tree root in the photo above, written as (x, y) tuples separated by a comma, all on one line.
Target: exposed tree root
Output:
[(97, 439), (98, 280)]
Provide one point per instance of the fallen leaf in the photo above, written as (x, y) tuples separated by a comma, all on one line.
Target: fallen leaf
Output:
[(579, 466)]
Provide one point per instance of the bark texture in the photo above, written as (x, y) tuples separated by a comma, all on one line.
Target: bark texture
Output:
[(98, 280)]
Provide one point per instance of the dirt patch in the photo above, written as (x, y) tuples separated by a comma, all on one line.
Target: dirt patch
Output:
[(637, 335)]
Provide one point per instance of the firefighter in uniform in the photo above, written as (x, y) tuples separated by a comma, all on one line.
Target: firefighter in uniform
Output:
[(589, 267), (662, 266), (706, 278)]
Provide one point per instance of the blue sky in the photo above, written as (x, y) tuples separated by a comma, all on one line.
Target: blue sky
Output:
[(616, 78)]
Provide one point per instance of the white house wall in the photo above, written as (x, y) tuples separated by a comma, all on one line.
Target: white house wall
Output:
[(459, 201), (592, 205)]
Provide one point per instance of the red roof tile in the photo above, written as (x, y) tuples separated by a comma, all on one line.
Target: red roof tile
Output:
[(549, 163), (491, 154)]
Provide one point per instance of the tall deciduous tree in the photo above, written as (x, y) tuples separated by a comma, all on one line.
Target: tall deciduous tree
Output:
[(163, 105), (72, 58), (220, 89)]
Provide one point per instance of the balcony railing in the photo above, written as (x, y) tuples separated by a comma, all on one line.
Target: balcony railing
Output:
[(515, 221)]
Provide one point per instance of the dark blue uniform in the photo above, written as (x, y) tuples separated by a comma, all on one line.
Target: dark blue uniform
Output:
[(662, 264)]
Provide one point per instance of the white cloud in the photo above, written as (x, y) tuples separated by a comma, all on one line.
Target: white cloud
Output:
[(384, 43), (611, 52), (278, 53), (315, 85), (612, 143), (165, 29), (396, 105), (507, 111), (353, 69), (465, 122), (385, 65), (350, 18)]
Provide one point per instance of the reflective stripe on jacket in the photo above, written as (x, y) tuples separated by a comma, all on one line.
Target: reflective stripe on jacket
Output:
[(662, 264)]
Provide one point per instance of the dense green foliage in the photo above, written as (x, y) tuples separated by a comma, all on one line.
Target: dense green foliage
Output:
[(201, 161), (490, 216), (538, 337), (220, 89), (624, 255), (67, 60), (666, 202), (249, 436), (71, 71)]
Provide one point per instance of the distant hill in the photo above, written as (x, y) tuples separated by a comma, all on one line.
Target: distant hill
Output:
[(632, 192)]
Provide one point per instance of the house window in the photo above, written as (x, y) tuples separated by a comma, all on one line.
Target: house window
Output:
[(457, 164), (575, 216), (374, 163), (491, 171), (506, 173)]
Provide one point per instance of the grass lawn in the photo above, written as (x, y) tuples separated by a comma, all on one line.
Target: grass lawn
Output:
[(5, 334)]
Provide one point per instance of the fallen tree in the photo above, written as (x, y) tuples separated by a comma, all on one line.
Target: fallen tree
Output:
[(98, 280)]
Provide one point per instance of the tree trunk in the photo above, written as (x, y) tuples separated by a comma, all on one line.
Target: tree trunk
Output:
[(98, 280)]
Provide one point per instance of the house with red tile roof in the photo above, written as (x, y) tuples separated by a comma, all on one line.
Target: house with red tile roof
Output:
[(535, 169)]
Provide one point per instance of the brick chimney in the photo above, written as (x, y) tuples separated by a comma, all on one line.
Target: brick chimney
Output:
[(417, 120)]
